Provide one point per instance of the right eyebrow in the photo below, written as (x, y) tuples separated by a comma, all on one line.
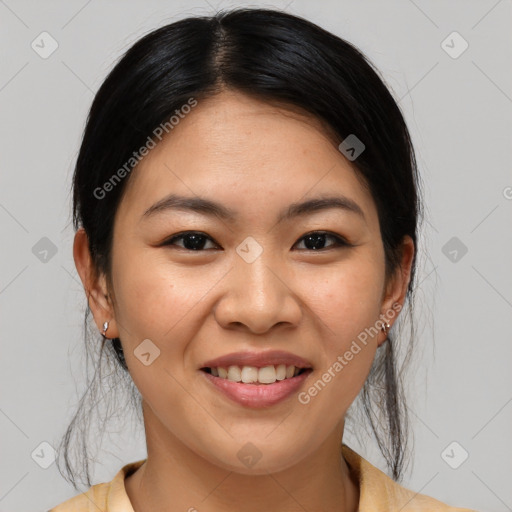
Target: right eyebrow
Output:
[(211, 208)]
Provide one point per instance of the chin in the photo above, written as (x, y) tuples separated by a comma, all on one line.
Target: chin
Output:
[(251, 460)]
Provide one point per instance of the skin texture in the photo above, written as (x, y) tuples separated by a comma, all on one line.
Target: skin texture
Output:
[(196, 305)]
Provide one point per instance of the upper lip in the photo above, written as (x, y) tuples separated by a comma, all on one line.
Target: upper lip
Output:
[(257, 359)]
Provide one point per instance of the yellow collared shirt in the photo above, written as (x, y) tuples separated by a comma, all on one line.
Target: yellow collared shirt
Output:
[(377, 492)]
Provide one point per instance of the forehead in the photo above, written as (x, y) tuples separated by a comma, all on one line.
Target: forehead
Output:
[(247, 154)]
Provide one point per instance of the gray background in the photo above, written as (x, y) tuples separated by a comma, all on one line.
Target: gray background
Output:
[(459, 114)]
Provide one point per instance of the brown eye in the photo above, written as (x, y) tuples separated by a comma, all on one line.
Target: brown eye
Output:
[(192, 240), (316, 239), (196, 241)]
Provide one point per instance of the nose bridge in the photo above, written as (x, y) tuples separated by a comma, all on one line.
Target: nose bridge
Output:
[(256, 267), (257, 294)]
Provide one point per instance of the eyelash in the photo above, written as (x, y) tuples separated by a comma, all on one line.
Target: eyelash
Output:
[(339, 241)]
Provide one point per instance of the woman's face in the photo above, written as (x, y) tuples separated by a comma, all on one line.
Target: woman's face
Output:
[(254, 284)]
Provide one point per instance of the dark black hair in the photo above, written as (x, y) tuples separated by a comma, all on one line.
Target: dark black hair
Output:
[(278, 58)]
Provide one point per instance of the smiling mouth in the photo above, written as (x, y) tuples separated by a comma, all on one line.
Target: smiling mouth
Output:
[(256, 375)]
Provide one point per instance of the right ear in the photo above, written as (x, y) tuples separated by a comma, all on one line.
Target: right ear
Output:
[(95, 286)]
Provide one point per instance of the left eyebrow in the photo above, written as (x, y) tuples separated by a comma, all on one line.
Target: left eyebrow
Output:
[(213, 209), (193, 204), (318, 204)]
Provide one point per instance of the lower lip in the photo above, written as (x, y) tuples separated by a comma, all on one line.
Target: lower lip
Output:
[(258, 395)]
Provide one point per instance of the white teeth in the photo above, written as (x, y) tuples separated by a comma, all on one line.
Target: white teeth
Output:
[(267, 375), (281, 372), (234, 373), (250, 374)]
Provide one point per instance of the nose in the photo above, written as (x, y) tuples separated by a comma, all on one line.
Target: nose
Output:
[(258, 296)]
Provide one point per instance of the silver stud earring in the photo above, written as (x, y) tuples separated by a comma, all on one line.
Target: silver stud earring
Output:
[(385, 328), (105, 327)]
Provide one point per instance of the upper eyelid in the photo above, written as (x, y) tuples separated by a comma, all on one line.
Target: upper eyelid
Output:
[(340, 239)]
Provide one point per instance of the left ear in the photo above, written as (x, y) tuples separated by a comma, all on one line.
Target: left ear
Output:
[(395, 290)]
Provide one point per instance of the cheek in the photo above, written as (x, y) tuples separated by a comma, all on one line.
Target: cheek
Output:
[(347, 304), (348, 298), (157, 303), (152, 297)]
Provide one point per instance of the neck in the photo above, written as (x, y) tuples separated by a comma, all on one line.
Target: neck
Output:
[(175, 478)]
